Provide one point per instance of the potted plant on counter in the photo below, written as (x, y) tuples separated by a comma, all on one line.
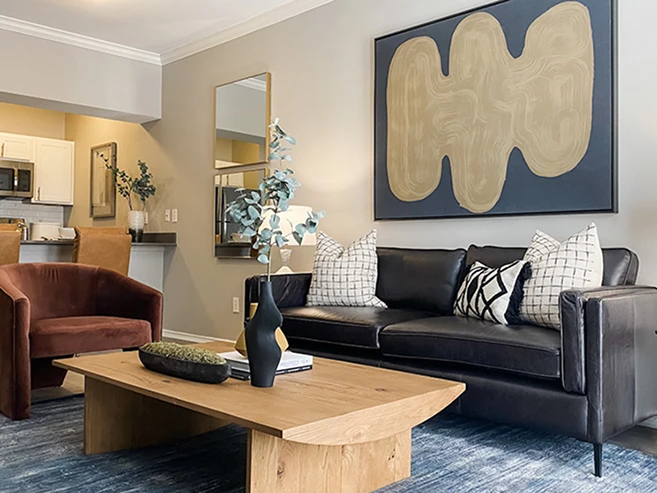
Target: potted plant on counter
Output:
[(258, 215), (141, 186)]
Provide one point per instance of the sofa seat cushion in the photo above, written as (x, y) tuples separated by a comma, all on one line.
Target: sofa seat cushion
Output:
[(52, 337), (343, 325), (523, 349)]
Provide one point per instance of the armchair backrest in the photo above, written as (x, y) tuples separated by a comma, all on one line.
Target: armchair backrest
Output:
[(55, 289)]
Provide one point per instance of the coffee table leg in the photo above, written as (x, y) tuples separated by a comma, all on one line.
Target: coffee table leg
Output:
[(275, 465), (118, 419)]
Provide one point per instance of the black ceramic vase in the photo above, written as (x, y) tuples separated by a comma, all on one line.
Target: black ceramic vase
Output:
[(261, 346)]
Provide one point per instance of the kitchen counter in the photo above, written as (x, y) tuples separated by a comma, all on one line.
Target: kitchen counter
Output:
[(149, 239), (146, 258)]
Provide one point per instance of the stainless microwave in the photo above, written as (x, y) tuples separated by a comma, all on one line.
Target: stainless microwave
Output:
[(16, 178)]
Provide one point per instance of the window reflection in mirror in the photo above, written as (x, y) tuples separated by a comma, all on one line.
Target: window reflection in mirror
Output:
[(241, 122), (228, 241)]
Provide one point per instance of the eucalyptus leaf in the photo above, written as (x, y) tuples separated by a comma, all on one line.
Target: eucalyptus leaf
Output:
[(274, 221), (266, 234), (263, 259)]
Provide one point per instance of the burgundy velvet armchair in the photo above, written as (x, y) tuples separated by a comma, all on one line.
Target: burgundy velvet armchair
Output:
[(55, 310)]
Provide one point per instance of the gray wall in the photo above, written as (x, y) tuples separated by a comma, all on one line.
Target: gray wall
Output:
[(57, 76), (323, 92)]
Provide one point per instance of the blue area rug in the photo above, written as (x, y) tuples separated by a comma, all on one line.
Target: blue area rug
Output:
[(450, 454)]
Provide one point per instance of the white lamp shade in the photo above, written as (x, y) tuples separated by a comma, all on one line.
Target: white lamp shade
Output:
[(296, 214)]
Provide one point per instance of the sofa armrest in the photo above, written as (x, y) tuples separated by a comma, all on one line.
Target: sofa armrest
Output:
[(14, 351), (613, 332), (120, 296), (573, 323), (289, 290)]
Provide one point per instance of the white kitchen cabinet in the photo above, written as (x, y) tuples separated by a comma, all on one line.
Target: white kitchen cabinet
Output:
[(17, 146), (53, 172)]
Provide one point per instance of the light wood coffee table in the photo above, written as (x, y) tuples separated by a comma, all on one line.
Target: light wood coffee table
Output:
[(339, 428)]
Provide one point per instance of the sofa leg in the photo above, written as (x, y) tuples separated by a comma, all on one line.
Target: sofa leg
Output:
[(597, 454)]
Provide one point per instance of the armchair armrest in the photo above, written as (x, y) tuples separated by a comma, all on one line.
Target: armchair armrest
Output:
[(14, 351), (608, 334), (289, 290), (120, 296)]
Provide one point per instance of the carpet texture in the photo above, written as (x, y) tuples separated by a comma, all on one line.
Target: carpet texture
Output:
[(450, 454)]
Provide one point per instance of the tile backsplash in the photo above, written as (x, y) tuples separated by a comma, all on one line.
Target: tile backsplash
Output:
[(32, 213)]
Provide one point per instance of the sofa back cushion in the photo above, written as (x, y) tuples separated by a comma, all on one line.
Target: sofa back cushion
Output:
[(416, 279), (621, 265)]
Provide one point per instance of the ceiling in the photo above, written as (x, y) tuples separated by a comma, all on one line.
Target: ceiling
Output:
[(159, 27)]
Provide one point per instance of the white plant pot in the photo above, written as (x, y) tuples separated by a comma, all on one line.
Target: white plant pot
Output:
[(136, 225)]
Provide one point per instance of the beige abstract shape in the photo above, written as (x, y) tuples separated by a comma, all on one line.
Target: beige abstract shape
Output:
[(491, 102)]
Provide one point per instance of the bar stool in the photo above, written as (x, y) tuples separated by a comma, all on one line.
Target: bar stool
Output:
[(104, 247), (10, 245)]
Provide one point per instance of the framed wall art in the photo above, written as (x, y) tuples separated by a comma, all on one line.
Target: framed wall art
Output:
[(508, 109), (103, 188)]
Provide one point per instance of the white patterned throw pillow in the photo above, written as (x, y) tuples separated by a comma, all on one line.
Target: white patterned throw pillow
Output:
[(492, 294), (345, 276), (574, 264)]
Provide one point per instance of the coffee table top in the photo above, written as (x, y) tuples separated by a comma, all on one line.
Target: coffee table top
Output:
[(335, 403)]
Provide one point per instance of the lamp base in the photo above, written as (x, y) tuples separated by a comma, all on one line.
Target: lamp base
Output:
[(286, 254)]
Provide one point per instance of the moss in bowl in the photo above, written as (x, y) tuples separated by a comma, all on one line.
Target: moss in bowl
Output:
[(188, 362)]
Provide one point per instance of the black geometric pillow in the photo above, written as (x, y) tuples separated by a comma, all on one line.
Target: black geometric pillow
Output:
[(493, 294)]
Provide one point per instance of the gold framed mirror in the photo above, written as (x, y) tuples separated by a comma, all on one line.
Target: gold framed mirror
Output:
[(228, 243), (242, 116)]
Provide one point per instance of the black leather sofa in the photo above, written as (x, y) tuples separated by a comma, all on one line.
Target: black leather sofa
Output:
[(591, 381)]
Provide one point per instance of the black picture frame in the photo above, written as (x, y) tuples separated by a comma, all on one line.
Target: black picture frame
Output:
[(400, 211)]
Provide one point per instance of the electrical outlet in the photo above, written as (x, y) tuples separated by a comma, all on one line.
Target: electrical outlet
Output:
[(174, 215), (167, 216), (236, 305), (145, 217)]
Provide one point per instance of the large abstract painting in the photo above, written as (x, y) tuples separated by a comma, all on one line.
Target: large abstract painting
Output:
[(504, 110)]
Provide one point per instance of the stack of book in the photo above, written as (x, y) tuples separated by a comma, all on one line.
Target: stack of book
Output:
[(290, 363)]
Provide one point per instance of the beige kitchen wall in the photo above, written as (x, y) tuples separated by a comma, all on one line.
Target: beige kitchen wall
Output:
[(134, 142), (16, 119), (322, 81)]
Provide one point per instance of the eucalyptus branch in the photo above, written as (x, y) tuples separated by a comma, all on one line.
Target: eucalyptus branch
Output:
[(127, 185), (273, 196)]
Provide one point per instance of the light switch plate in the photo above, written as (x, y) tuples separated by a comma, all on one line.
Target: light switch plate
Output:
[(174, 215), (236, 305), (145, 217), (167, 215)]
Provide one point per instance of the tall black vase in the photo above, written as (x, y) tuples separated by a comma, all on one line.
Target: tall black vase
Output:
[(264, 352)]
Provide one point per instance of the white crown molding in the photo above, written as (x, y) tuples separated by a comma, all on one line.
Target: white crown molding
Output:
[(257, 84), (279, 14), (79, 40)]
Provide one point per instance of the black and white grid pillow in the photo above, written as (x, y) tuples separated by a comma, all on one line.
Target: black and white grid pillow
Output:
[(492, 294), (574, 264), (345, 277)]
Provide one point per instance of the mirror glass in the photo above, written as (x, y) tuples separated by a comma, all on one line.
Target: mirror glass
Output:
[(227, 240), (241, 122)]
